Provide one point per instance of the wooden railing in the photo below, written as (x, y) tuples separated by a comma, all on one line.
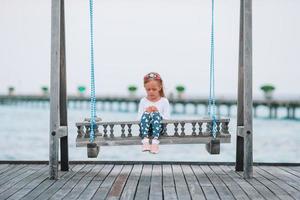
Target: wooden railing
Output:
[(122, 130)]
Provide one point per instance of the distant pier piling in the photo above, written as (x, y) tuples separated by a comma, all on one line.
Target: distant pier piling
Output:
[(178, 106)]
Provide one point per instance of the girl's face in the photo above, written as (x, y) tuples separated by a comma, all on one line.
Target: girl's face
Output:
[(153, 89)]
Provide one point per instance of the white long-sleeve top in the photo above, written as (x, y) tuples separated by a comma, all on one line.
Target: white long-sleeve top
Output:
[(162, 106)]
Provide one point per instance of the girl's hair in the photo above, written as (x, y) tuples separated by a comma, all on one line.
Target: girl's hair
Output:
[(156, 77)]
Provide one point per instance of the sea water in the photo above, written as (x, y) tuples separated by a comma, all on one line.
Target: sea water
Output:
[(24, 134)]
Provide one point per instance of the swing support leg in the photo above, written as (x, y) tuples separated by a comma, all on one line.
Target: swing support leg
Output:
[(244, 148), (58, 93), (213, 147), (92, 150)]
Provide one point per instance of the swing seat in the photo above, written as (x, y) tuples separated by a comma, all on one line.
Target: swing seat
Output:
[(117, 133)]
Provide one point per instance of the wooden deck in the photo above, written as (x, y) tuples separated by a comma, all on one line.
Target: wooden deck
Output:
[(148, 181)]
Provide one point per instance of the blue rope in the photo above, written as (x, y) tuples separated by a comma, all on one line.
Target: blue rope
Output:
[(93, 96), (212, 100)]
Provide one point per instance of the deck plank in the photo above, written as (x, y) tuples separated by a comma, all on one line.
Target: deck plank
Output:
[(156, 183), (247, 187), (282, 184), (291, 171), (83, 183), (182, 189), (65, 185), (279, 192), (91, 189), (143, 187), (295, 168), (207, 187), (290, 179), (29, 187), (234, 188), (261, 188), (4, 168), (118, 186), (21, 184), (131, 185), (7, 170), (169, 191), (44, 185), (11, 173), (219, 186), (51, 190), (104, 188), (283, 173), (23, 173), (193, 185)]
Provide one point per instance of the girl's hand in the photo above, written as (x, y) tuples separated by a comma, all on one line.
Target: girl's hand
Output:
[(154, 109), (149, 109)]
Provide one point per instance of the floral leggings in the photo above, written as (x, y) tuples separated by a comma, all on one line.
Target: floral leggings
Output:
[(151, 124)]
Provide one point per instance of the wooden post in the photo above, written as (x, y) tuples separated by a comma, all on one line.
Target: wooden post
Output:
[(54, 88), (248, 101), (244, 150), (270, 111), (228, 110), (240, 101), (294, 112), (64, 154), (58, 108)]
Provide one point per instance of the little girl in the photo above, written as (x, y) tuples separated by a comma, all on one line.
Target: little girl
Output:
[(152, 109)]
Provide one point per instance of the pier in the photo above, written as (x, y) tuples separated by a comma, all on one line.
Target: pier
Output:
[(148, 180), (61, 179), (179, 106)]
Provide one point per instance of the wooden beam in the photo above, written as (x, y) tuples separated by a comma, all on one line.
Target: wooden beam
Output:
[(64, 148), (136, 140), (240, 100), (58, 101), (54, 88), (248, 101)]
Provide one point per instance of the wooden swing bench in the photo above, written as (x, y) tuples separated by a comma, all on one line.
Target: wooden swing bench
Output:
[(191, 132)]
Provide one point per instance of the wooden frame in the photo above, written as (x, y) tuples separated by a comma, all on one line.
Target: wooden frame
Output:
[(58, 108)]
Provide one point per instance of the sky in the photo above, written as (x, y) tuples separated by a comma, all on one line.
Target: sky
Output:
[(134, 37)]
